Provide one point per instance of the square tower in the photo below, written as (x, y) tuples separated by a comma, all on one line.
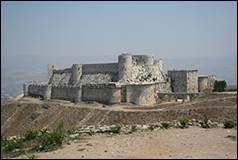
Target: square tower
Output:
[(184, 80)]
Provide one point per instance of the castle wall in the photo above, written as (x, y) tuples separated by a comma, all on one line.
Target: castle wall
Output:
[(76, 73), (206, 83), (100, 68), (105, 93), (163, 87), (140, 78), (202, 83), (192, 81), (66, 93), (50, 72), (99, 73), (143, 59), (211, 81), (25, 89), (143, 94), (98, 78), (184, 80), (146, 69), (178, 81), (60, 77), (124, 68), (41, 90), (139, 68)]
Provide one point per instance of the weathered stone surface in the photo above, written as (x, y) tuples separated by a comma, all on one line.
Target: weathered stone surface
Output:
[(138, 79), (206, 83), (184, 80)]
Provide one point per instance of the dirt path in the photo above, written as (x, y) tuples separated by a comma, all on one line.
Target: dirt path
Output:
[(193, 142)]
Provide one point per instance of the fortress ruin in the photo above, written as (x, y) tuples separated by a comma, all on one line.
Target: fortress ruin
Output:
[(137, 79)]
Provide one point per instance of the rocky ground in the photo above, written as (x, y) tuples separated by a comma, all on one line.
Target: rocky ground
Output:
[(19, 115), (192, 142)]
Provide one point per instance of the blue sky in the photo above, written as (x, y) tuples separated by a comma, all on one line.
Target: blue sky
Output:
[(99, 31)]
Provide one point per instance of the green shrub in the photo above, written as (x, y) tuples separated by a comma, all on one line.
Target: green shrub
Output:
[(219, 86), (8, 145), (133, 128), (183, 121), (32, 157), (165, 125), (31, 133), (50, 140), (72, 130), (229, 123), (116, 128)]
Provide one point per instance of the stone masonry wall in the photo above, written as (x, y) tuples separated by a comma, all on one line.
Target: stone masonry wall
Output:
[(139, 69), (206, 83), (144, 94), (146, 69), (105, 93), (184, 80), (66, 93), (202, 83), (93, 81), (100, 68), (98, 78), (178, 81), (99, 73), (192, 81), (163, 87), (211, 81), (42, 90), (60, 77)]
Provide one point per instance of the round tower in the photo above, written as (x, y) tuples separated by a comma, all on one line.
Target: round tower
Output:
[(76, 73), (51, 67), (148, 60), (124, 67), (25, 89)]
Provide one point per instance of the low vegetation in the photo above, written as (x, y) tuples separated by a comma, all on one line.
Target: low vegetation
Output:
[(165, 125), (73, 130), (134, 128), (184, 122), (31, 133), (229, 123), (116, 128), (219, 86), (32, 140), (50, 140), (9, 145)]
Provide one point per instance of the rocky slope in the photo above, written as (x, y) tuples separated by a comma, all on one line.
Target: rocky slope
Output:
[(18, 115)]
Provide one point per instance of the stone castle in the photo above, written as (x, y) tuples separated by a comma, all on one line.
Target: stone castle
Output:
[(137, 79)]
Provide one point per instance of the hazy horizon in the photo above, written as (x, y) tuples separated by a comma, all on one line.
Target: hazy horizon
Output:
[(201, 35)]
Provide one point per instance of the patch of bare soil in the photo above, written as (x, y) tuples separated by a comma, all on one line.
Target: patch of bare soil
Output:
[(188, 143)]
